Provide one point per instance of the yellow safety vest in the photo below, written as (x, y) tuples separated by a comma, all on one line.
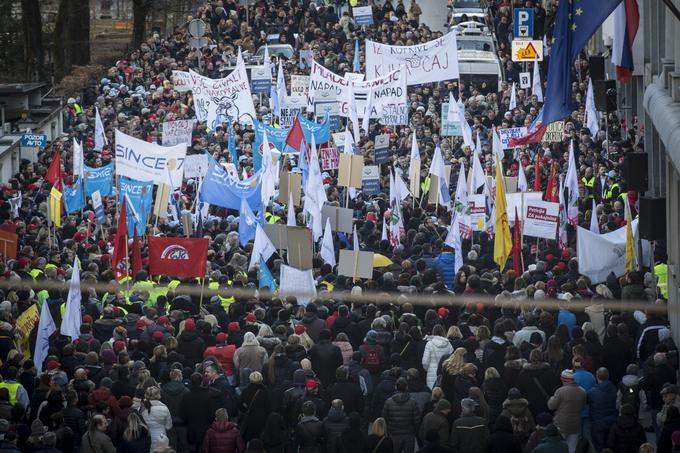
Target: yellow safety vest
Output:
[(147, 285), (12, 388), (589, 184), (661, 271), (35, 273), (271, 218), (77, 108), (610, 191)]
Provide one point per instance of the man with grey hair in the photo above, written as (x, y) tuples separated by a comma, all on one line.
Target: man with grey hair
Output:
[(470, 433)]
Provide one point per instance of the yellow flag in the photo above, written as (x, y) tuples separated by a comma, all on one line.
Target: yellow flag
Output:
[(630, 243), (55, 207), (502, 242)]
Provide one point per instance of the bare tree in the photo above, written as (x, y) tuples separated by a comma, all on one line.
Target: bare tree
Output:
[(71, 36), (33, 45), (140, 9)]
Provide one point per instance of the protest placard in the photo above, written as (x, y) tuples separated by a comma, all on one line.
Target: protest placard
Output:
[(355, 264), (290, 182), (512, 132), (300, 246), (370, 180), (541, 218), (341, 218), (178, 131), (196, 165), (382, 148), (330, 158), (351, 170)]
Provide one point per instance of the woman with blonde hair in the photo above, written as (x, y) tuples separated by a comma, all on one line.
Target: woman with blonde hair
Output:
[(378, 441), (266, 338), (158, 362), (455, 336), (450, 369), (136, 437), (156, 415)]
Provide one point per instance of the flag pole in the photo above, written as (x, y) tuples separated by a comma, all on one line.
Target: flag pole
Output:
[(200, 302), (521, 236)]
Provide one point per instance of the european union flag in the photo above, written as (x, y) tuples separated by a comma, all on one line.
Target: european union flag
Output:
[(575, 23), (265, 277)]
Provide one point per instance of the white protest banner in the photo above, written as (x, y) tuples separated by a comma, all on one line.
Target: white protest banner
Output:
[(477, 204), (299, 86), (514, 200), (363, 15), (144, 161), (554, 132), (389, 104), (449, 128), (512, 132), (298, 283), (432, 61), (540, 218), (294, 105), (196, 165), (176, 132), (330, 158), (226, 100), (600, 254), (181, 80)]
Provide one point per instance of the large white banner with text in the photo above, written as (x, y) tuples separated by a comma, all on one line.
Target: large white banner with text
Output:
[(145, 161)]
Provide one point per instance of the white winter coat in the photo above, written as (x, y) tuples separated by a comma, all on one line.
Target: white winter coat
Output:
[(158, 420), (435, 348)]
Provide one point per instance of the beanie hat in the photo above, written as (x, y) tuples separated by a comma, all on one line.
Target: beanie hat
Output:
[(163, 320), (158, 335), (221, 337), (87, 319), (118, 346), (233, 326), (567, 377), (250, 317), (299, 329), (190, 325)]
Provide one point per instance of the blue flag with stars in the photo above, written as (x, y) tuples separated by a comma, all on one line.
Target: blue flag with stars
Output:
[(265, 277), (575, 23)]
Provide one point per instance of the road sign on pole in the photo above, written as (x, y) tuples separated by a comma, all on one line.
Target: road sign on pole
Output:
[(523, 23)]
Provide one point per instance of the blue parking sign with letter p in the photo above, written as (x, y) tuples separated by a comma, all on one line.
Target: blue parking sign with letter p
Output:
[(523, 23)]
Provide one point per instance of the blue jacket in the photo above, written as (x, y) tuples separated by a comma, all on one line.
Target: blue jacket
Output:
[(567, 318), (602, 403), (586, 381), (446, 266)]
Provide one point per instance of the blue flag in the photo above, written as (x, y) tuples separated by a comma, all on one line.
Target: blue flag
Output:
[(247, 223), (140, 197), (265, 277), (73, 196), (356, 67), (231, 146), (575, 23), (277, 136), (220, 189), (98, 179)]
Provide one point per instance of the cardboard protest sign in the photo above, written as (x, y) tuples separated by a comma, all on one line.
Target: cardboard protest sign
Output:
[(432, 61), (290, 182), (260, 79), (541, 218), (350, 171), (8, 244), (554, 132), (196, 166), (341, 218), (300, 246), (277, 234), (414, 178), (160, 205), (299, 86), (477, 204), (515, 200), (181, 81), (178, 131), (356, 264), (370, 181)]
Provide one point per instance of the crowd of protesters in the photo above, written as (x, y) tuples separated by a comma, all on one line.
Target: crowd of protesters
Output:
[(508, 364)]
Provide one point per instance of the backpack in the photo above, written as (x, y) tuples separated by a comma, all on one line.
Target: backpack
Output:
[(371, 360), (521, 427), (630, 395)]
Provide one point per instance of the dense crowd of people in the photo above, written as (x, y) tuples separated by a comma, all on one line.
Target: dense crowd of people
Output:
[(509, 363)]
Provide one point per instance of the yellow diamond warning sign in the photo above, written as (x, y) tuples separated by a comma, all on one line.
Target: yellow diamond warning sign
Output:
[(527, 50)]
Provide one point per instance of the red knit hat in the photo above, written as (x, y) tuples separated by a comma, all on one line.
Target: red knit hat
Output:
[(221, 337), (190, 325), (233, 326), (299, 329)]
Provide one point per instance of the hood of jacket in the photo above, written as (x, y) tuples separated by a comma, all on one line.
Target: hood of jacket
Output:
[(336, 415), (439, 343), (174, 388), (222, 426), (516, 407), (188, 336), (630, 380), (539, 366), (625, 422)]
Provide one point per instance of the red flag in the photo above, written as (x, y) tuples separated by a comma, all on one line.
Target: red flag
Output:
[(551, 191), (53, 174), (537, 174), (136, 255), (531, 137), (178, 257), (517, 246), (119, 260), (295, 135)]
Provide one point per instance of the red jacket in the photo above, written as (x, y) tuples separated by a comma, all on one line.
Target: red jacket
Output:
[(224, 355), (223, 437)]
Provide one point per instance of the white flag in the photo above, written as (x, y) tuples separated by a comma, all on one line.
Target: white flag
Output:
[(454, 112), (355, 240), (453, 241), (594, 224), (281, 88), (15, 204), (592, 115), (262, 247), (498, 150), (99, 135), (46, 327), (77, 159), (70, 324), (383, 236), (239, 58), (327, 248), (267, 63), (478, 176), (438, 169), (461, 206), (513, 98), (348, 142), (268, 176), (536, 87), (415, 152), (400, 186), (352, 112), (522, 184), (396, 222), (478, 144), (291, 211), (571, 183), (365, 121), (315, 194), (310, 105)]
